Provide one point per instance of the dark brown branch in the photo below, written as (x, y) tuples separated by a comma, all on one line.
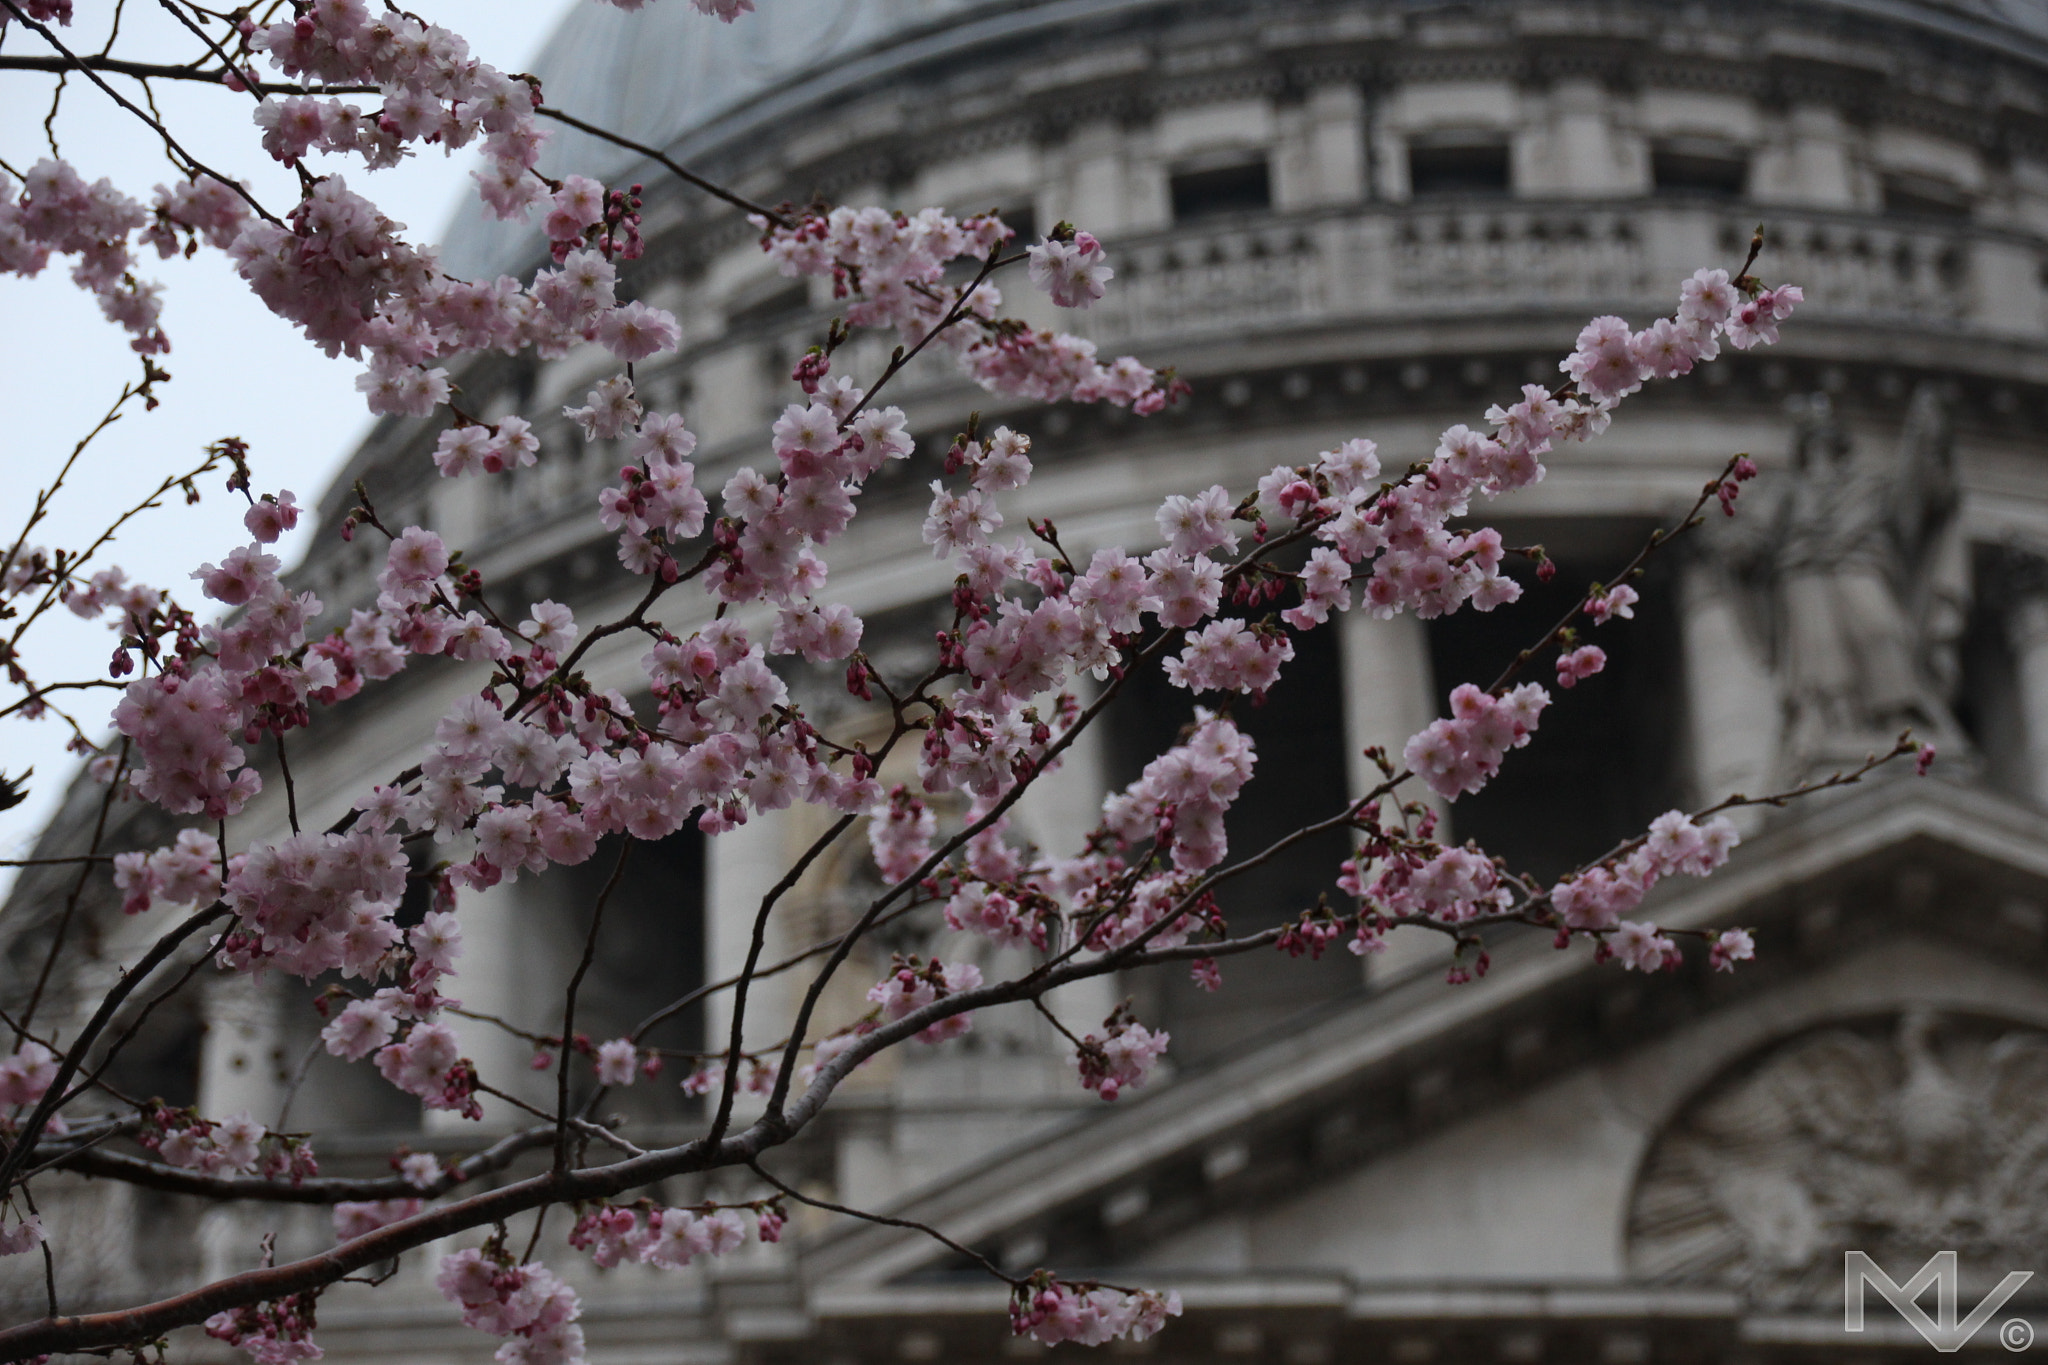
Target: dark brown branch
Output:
[(156, 1175), (99, 832), (729, 1087)]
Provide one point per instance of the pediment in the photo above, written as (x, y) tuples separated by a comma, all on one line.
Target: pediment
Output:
[(1960, 871)]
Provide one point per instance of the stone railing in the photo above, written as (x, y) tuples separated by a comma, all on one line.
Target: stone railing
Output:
[(1402, 265), (1415, 262)]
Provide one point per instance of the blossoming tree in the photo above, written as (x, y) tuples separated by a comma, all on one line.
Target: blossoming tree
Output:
[(538, 764)]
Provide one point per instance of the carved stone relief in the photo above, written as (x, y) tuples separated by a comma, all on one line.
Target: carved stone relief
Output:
[(1901, 1137)]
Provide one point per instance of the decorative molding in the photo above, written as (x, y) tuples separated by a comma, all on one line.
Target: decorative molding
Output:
[(1906, 1135)]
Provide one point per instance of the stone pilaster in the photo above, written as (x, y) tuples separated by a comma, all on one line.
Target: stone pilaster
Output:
[(1389, 694), (1734, 713), (2026, 625)]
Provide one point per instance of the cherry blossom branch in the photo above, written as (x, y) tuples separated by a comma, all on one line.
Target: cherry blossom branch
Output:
[(109, 1329), (192, 164), (44, 497), (728, 1089), (118, 66), (148, 1321), (211, 45), (1658, 538), (52, 593), (797, 959), (57, 862), (135, 1024)]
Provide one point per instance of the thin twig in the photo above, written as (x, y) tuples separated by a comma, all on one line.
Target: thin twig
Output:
[(681, 172), (99, 832), (192, 163), (25, 1137), (912, 1224), (569, 1010)]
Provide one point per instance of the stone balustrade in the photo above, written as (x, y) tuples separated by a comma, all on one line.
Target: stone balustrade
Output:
[(1286, 270), (1390, 263)]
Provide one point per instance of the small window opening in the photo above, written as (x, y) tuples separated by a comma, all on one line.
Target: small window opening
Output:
[(1706, 173), (1458, 168), (784, 305), (1924, 198), (1244, 188)]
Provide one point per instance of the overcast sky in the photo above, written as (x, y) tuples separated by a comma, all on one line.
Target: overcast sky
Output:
[(236, 370)]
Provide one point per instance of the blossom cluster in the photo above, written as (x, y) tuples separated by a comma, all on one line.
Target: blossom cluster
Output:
[(1050, 1311), (272, 1333), (891, 268), (1121, 1057), (1610, 361), (1461, 754), (26, 1074), (235, 1144), (1178, 802), (1598, 897), (185, 872), (528, 1304), (55, 210), (914, 985), (667, 1237), (26, 1235)]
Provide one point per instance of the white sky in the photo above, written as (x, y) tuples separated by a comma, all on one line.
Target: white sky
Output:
[(236, 369)]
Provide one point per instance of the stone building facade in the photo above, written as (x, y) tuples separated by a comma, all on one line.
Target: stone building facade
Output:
[(1345, 217)]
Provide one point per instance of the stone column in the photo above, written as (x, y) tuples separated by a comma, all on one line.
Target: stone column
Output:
[(1056, 813), (242, 1063), (1389, 691), (1320, 158), (507, 968), (741, 866), (1111, 185), (2006, 289), (1389, 694), (1809, 163), (1587, 157), (1734, 705), (2027, 632)]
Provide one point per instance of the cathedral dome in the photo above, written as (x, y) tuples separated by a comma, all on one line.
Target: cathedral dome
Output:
[(665, 76), (665, 72)]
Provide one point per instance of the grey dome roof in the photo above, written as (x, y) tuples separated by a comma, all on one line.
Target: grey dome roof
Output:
[(666, 72), (656, 74)]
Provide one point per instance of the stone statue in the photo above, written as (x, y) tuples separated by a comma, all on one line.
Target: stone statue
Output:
[(1864, 581)]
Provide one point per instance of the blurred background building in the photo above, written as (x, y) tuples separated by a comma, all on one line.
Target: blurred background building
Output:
[(1336, 218)]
